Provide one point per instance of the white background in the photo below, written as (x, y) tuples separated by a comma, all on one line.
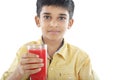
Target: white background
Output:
[(96, 30)]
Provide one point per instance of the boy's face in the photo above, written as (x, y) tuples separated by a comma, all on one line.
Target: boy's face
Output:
[(53, 22)]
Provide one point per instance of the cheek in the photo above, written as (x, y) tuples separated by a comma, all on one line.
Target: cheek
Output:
[(64, 29), (43, 27), (42, 23)]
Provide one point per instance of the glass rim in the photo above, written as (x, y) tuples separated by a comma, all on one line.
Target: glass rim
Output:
[(37, 46)]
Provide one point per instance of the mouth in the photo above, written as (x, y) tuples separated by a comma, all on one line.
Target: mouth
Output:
[(54, 32)]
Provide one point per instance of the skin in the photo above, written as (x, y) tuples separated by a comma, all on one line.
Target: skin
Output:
[(53, 22)]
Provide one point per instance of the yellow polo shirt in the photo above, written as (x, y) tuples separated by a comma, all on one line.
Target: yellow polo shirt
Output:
[(68, 63)]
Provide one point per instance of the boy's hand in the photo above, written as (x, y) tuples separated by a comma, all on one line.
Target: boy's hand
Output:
[(30, 64)]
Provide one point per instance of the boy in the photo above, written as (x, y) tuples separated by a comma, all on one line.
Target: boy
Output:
[(64, 60)]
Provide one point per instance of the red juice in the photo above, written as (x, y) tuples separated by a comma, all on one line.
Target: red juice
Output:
[(41, 75)]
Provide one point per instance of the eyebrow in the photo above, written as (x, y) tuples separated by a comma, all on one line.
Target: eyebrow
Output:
[(47, 13), (63, 14)]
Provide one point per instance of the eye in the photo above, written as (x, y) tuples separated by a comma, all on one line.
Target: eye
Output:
[(46, 17), (62, 18)]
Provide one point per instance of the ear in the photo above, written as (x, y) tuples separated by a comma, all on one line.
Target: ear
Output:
[(71, 21), (37, 20)]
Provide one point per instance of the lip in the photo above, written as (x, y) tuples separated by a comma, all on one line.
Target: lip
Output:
[(54, 32)]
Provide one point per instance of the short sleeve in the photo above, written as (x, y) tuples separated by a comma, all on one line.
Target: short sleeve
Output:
[(86, 72), (15, 62)]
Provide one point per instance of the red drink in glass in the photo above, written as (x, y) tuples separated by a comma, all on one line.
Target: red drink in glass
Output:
[(41, 51)]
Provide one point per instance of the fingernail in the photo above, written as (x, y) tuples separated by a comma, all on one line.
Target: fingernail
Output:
[(42, 65), (39, 69), (37, 56), (41, 60)]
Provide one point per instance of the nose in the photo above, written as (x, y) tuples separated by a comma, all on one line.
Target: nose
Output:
[(53, 23)]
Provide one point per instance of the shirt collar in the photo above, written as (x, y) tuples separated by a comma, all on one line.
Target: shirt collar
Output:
[(61, 51)]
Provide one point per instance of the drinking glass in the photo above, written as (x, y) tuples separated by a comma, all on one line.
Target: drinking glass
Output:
[(41, 51)]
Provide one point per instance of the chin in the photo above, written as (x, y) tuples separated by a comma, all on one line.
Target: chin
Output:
[(54, 38)]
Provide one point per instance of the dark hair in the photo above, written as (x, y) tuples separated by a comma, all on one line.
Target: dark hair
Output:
[(67, 4)]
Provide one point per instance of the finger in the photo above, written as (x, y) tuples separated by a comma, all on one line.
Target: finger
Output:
[(31, 60), (30, 55), (33, 66), (32, 71)]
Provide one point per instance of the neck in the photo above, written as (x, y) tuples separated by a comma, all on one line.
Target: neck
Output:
[(53, 45)]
